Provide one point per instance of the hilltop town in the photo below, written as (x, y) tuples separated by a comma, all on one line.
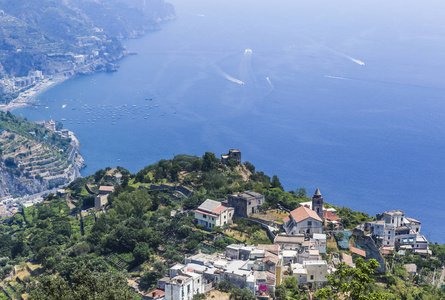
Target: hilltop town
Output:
[(203, 227)]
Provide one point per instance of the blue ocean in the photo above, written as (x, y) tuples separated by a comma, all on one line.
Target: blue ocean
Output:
[(347, 96)]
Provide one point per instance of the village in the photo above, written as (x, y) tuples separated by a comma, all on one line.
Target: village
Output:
[(233, 241), (301, 242)]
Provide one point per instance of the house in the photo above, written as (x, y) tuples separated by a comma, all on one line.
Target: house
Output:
[(155, 294), (300, 273), (289, 241), (233, 153), (318, 242), (106, 190), (183, 286), (393, 227), (316, 273), (102, 199), (303, 220), (212, 213), (246, 203)]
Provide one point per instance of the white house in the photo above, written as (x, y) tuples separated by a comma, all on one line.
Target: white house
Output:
[(212, 213), (303, 220), (316, 272)]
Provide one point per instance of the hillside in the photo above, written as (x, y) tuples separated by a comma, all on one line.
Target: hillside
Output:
[(32, 158), (65, 248), (61, 37)]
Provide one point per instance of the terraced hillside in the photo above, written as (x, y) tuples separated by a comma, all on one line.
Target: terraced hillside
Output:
[(33, 158)]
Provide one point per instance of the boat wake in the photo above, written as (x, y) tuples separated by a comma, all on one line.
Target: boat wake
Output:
[(230, 78), (336, 77), (357, 61)]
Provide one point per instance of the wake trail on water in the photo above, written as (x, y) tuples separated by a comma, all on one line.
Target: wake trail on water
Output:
[(336, 77), (357, 61), (230, 78), (270, 83)]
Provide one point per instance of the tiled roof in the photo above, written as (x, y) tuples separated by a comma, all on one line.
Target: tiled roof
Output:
[(413, 220), (106, 188), (303, 213), (206, 213), (219, 209), (357, 251), (285, 220)]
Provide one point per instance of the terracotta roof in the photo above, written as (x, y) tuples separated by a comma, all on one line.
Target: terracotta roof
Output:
[(270, 248), (219, 209), (285, 220), (303, 213), (206, 213), (271, 257), (156, 293), (357, 251), (413, 220), (104, 188)]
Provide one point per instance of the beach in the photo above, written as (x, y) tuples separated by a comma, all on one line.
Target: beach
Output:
[(27, 97)]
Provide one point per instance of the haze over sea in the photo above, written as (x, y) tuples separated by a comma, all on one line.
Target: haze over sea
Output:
[(347, 96)]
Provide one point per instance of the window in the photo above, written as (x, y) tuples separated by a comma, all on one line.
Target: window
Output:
[(188, 289), (312, 277), (224, 216), (387, 243), (204, 216), (389, 232), (309, 223)]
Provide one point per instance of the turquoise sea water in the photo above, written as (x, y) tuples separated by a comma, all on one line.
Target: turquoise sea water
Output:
[(346, 96)]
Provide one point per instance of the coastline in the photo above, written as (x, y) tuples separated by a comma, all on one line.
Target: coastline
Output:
[(27, 97)]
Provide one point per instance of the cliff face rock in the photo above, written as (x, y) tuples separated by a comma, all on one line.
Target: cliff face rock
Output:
[(17, 185)]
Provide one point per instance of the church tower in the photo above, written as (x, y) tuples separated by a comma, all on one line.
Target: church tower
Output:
[(317, 203)]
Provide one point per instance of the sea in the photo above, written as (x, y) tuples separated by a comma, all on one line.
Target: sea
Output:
[(346, 96)]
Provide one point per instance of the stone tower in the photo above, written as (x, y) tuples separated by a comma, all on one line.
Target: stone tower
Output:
[(317, 203)]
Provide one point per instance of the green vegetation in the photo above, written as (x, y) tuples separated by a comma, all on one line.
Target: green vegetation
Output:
[(50, 33), (352, 283), (75, 248)]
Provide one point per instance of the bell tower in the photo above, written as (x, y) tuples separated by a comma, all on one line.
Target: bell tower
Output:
[(317, 203)]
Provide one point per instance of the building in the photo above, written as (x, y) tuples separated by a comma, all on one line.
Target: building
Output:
[(102, 199), (316, 272), (233, 153), (392, 227), (212, 213), (289, 241), (303, 220), (317, 203), (318, 242), (246, 203), (183, 286), (106, 190)]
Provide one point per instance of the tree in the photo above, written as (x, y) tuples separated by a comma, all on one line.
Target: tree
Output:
[(351, 283), (99, 175), (242, 294), (288, 290), (276, 183), (209, 161), (301, 192)]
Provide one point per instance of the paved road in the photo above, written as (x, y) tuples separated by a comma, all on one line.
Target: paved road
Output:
[(76, 169)]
